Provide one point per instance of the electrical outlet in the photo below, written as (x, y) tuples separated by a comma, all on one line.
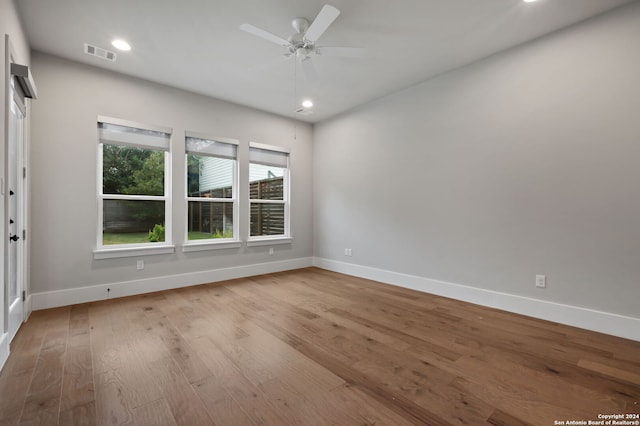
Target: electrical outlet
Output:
[(541, 281), (270, 251), (347, 252), (140, 265)]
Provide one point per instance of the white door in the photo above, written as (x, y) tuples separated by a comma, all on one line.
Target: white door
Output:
[(15, 191)]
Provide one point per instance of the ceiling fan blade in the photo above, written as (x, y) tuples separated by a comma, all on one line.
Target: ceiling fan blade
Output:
[(346, 52), (253, 30), (327, 15), (309, 70)]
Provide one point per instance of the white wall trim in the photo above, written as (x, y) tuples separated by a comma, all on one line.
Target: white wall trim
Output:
[(4, 349), (266, 241), (602, 322), (93, 293), (149, 250), (28, 308)]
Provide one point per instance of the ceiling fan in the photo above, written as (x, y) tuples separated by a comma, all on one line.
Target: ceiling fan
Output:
[(302, 44)]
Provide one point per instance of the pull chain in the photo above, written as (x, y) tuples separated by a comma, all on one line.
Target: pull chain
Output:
[(295, 95)]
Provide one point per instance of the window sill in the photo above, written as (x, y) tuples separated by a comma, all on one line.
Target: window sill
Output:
[(112, 253), (210, 245), (268, 241)]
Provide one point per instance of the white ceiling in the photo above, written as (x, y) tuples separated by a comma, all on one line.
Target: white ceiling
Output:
[(196, 44)]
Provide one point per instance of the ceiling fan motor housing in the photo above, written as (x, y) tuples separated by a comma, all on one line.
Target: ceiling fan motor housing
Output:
[(300, 47)]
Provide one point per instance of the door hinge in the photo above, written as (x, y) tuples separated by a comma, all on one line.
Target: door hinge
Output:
[(24, 234), (24, 295), (24, 173)]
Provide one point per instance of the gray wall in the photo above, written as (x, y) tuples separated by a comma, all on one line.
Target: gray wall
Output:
[(525, 163), (63, 172)]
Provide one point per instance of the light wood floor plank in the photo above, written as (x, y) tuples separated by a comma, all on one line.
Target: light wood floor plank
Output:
[(184, 403), (77, 381), (113, 400), (156, 413), (80, 415), (43, 397), (14, 393), (223, 409)]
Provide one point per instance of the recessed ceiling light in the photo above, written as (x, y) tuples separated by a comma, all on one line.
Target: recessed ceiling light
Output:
[(529, 1), (307, 103), (121, 45)]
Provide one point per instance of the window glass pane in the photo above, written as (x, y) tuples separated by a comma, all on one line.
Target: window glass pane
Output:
[(132, 171), (266, 182), (210, 220), (209, 177), (132, 221), (267, 219)]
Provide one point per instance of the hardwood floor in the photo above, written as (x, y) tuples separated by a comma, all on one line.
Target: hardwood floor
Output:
[(309, 347)]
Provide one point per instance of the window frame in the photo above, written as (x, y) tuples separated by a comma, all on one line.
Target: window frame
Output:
[(285, 238), (212, 243), (135, 249)]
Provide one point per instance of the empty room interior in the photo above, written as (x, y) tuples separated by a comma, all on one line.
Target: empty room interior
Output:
[(299, 212)]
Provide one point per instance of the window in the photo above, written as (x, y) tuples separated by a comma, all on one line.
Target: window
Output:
[(268, 191), (133, 185), (211, 166)]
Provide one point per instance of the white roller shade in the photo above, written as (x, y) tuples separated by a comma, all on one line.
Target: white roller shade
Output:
[(268, 157), (211, 148), (130, 136)]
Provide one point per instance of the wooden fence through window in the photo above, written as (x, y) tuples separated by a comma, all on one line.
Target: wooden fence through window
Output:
[(265, 219)]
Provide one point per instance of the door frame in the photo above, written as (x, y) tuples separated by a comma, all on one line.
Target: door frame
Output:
[(22, 196), (15, 188)]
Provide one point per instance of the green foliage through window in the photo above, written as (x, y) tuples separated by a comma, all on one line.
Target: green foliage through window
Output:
[(132, 171), (156, 234), (149, 179)]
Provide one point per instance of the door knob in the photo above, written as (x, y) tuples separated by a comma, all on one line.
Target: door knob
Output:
[(14, 238)]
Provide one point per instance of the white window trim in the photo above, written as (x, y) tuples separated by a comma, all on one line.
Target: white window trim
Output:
[(122, 251), (212, 243), (143, 249), (204, 245), (268, 240), (285, 238)]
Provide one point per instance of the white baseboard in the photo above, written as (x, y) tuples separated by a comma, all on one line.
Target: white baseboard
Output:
[(4, 349), (28, 308), (74, 296), (602, 322)]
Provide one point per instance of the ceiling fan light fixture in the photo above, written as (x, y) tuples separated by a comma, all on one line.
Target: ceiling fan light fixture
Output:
[(302, 53)]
